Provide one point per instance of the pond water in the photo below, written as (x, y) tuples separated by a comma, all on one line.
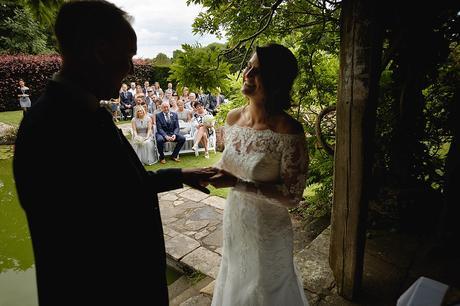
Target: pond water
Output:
[(17, 271)]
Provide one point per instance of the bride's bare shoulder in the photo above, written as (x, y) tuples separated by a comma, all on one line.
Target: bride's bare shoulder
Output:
[(234, 115)]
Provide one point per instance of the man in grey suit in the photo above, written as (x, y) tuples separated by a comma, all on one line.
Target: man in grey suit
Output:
[(91, 206)]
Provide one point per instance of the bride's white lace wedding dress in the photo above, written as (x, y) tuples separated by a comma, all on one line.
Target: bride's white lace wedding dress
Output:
[(257, 265)]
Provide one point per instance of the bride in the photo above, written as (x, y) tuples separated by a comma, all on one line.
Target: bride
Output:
[(265, 161)]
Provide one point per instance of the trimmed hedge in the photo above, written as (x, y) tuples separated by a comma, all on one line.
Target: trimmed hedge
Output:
[(36, 70)]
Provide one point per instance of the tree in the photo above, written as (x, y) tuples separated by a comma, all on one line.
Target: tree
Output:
[(197, 67), (25, 35), (161, 60), (44, 11)]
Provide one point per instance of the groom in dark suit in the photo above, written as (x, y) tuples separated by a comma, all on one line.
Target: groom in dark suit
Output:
[(96, 241), (168, 130)]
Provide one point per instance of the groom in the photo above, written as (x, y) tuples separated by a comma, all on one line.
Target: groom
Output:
[(91, 207)]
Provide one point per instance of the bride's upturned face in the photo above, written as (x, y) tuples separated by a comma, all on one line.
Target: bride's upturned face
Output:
[(252, 81)]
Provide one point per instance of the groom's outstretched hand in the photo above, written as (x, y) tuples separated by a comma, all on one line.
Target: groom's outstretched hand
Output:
[(223, 179), (198, 178)]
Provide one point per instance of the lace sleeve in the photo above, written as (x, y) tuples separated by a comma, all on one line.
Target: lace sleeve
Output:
[(293, 173)]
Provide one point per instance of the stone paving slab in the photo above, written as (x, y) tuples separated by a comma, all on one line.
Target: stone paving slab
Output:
[(189, 218), (204, 260), (170, 232), (169, 197), (193, 195), (215, 201), (180, 245)]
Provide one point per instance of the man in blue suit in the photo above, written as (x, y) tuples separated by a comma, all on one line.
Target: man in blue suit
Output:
[(168, 130), (126, 102)]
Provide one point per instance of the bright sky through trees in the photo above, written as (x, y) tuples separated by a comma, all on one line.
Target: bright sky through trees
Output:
[(163, 25)]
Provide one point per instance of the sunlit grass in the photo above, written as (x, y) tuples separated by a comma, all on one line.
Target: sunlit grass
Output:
[(12, 118)]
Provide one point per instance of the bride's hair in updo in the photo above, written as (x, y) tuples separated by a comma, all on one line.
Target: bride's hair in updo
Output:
[(278, 70)]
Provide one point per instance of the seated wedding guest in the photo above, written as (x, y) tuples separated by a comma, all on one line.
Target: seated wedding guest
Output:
[(23, 94), (203, 128), (157, 105), (150, 115), (115, 108), (208, 102), (185, 93), (139, 90), (139, 99), (132, 88), (167, 96), (143, 141), (158, 91), (212, 102), (173, 102), (168, 130), (126, 101), (169, 89), (146, 86), (150, 100), (191, 102), (185, 118)]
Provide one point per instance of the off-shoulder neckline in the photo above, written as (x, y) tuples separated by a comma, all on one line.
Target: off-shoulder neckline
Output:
[(264, 130)]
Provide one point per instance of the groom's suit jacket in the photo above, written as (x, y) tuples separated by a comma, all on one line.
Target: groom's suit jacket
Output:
[(91, 206)]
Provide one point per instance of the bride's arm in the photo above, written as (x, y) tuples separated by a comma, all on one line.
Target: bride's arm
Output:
[(293, 172)]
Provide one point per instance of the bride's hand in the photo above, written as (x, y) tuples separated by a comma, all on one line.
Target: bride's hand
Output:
[(223, 179)]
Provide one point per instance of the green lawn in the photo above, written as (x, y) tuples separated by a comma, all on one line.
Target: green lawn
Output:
[(12, 118), (191, 161)]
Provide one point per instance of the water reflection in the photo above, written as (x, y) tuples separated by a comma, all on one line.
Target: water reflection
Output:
[(17, 272), (15, 245)]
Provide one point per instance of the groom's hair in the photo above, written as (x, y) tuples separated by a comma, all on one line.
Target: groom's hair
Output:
[(79, 24)]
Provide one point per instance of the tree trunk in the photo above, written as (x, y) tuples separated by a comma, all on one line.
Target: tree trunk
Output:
[(360, 58)]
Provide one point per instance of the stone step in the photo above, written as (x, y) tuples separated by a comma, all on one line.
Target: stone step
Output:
[(209, 289), (179, 286), (193, 290), (198, 300)]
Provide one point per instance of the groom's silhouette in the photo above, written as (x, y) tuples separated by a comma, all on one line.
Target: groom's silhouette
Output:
[(91, 206)]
